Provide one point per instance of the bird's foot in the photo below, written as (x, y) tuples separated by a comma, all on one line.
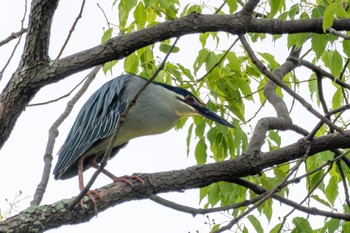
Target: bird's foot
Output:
[(126, 179), (92, 194)]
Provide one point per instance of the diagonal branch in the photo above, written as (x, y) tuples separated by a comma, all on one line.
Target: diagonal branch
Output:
[(36, 71), (276, 80), (53, 133), (57, 214), (283, 120), (72, 29)]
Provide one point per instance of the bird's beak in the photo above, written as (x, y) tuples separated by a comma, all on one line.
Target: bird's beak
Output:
[(205, 112)]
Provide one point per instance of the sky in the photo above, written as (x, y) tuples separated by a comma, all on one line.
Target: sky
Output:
[(24, 150)]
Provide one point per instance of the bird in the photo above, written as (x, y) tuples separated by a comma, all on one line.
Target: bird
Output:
[(157, 109)]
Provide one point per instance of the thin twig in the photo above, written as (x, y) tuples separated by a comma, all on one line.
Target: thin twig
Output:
[(71, 29), (13, 36), (337, 33), (114, 135), (314, 211), (196, 211), (324, 73), (59, 98), (307, 196), (220, 7), (320, 93), (53, 133), (345, 186), (219, 62), (16, 35), (268, 194), (104, 15)]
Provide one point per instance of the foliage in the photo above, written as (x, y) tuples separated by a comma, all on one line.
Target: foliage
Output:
[(229, 79), (233, 83)]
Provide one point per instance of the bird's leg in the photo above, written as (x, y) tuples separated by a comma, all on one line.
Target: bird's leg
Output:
[(89, 193), (115, 179)]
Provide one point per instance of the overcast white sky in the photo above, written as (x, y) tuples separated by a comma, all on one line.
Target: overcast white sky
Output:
[(21, 157)]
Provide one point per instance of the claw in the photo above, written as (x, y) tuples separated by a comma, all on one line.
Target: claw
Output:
[(126, 179), (92, 194)]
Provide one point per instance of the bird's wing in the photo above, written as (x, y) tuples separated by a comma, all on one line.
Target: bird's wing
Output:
[(95, 121)]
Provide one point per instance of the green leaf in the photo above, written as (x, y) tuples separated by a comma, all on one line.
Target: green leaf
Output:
[(201, 152), (346, 227), (188, 138), (312, 83), (203, 192), (203, 38), (318, 44), (274, 136), (340, 10), (234, 62), (200, 129), (331, 191), (124, 7), (346, 47), (149, 3), (185, 71), (256, 224), (333, 225), (276, 229), (140, 15), (270, 59), (214, 194), (108, 66), (267, 209), (165, 48), (315, 180), (302, 225), (164, 3), (211, 61), (201, 58), (320, 200), (232, 6), (106, 35), (244, 86), (297, 39), (337, 99), (131, 64), (294, 10), (328, 16), (334, 61), (275, 6)]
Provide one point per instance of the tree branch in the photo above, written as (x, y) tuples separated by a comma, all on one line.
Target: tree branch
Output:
[(57, 214), (35, 73)]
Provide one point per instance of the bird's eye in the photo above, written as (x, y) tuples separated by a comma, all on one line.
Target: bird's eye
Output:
[(189, 99)]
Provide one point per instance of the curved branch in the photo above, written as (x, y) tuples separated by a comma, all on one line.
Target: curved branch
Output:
[(57, 214), (35, 71)]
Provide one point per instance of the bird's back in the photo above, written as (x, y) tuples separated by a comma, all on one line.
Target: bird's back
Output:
[(95, 121)]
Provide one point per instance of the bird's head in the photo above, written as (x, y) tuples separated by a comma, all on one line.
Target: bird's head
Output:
[(190, 105)]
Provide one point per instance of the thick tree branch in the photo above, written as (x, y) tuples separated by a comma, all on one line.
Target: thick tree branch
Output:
[(19, 91), (40, 72), (55, 215), (283, 120), (38, 36)]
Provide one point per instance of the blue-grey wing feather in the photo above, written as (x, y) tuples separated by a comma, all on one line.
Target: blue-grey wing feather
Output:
[(95, 121)]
